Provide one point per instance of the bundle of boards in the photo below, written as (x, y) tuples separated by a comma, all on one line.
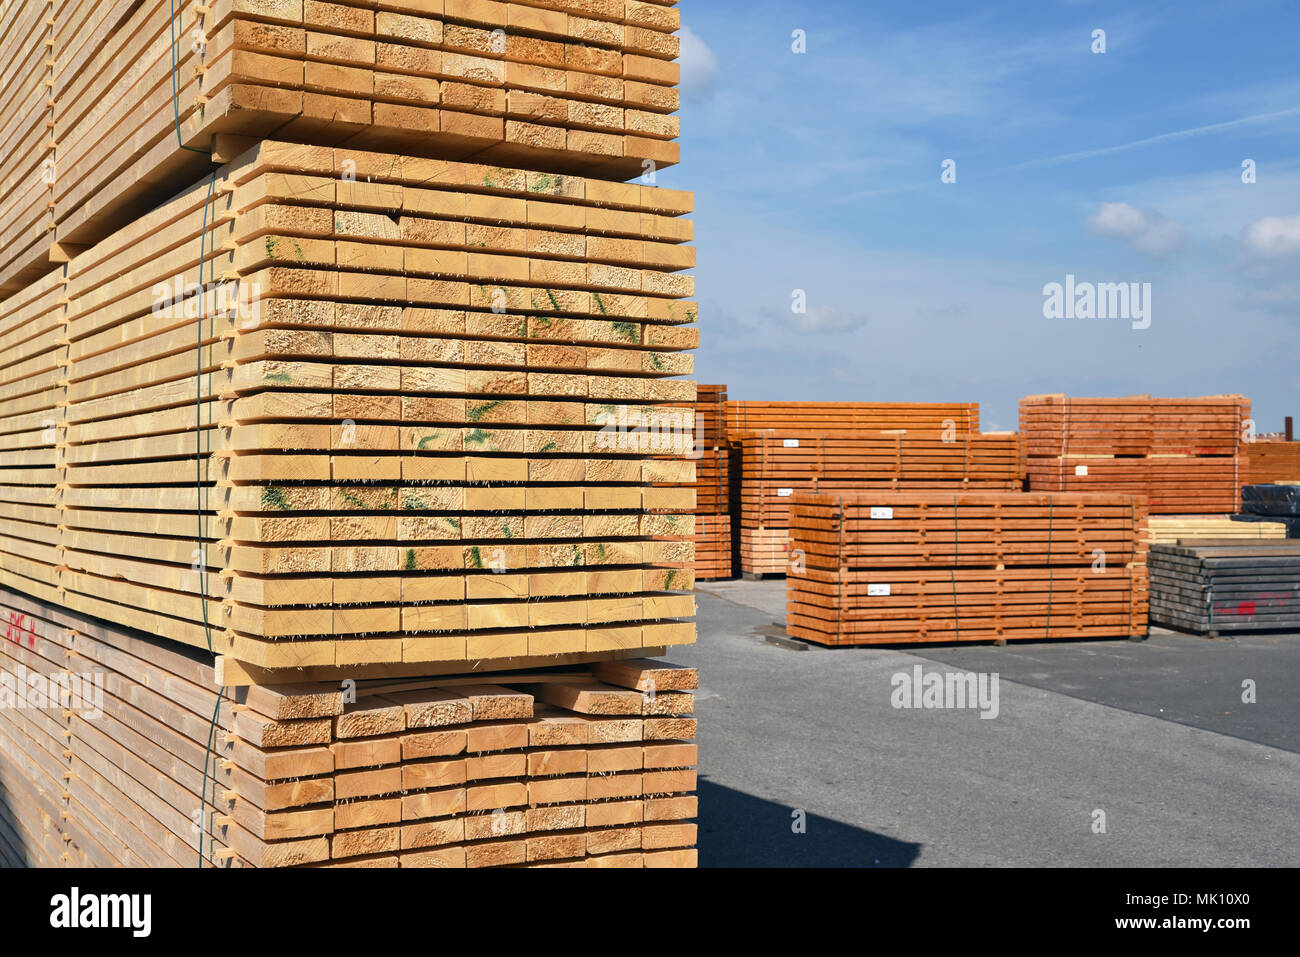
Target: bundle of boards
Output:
[(712, 484), (584, 767), (334, 347), (392, 468), (777, 464), (1186, 455), (1174, 528), (1273, 461), (912, 567), (1215, 586), (128, 96), (852, 418)]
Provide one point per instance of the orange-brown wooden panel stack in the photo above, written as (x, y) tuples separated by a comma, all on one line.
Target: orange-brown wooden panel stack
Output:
[(1272, 461), (780, 463), (909, 567), (1187, 456), (712, 484)]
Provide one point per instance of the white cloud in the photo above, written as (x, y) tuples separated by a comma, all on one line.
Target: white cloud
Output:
[(1274, 235), (699, 65), (1143, 230), (827, 319)]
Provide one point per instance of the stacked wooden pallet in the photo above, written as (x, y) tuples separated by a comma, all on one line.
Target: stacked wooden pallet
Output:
[(904, 567), (1273, 461), (1209, 587), (1185, 455), (1175, 528), (129, 97), (591, 766), (953, 419), (712, 484), (780, 463)]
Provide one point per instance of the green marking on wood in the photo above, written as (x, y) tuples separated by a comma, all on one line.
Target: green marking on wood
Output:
[(627, 330), (277, 377), (668, 582), (555, 303), (476, 557), (600, 303), (657, 361), (548, 447), (273, 497), (412, 502), (410, 565), (477, 413), (505, 527), (351, 499), (478, 437), (425, 442)]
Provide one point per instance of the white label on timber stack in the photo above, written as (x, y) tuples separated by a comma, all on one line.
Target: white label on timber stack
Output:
[(1081, 470), (878, 590), (783, 492), (790, 443), (881, 511)]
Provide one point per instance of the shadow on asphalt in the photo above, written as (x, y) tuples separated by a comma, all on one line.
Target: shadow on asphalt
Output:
[(740, 830)]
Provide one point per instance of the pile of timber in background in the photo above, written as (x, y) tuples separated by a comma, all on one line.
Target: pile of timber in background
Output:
[(1176, 528), (581, 766), (1209, 587), (954, 419), (777, 464), (1273, 461), (712, 484), (1186, 455), (910, 567)]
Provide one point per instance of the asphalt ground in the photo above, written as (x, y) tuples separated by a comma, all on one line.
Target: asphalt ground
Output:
[(805, 760)]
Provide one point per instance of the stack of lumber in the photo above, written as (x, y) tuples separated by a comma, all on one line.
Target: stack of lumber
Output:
[(1175, 528), (390, 469), (778, 464), (1273, 461), (589, 766), (852, 418), (712, 484), (26, 141), (1185, 455), (335, 348), (907, 567), (1209, 587), (712, 474), (131, 96), (712, 547)]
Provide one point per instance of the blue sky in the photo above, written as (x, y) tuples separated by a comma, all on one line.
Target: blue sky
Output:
[(821, 171)]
